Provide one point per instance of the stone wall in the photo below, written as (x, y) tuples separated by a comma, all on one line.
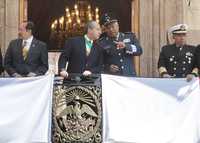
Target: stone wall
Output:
[(9, 19), (2, 26), (156, 16), (191, 17)]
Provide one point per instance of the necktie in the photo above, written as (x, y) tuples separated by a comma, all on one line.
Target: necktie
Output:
[(24, 50)]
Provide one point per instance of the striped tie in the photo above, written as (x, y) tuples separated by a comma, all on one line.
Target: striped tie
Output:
[(25, 50)]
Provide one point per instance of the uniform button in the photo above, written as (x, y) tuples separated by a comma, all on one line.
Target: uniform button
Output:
[(189, 62), (122, 67), (174, 69), (184, 69), (183, 62), (121, 60), (119, 54), (175, 62), (117, 48)]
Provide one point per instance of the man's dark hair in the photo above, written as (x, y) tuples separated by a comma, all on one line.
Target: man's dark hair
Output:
[(89, 25), (30, 26)]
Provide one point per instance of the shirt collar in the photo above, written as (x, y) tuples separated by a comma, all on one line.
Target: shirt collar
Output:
[(29, 40), (87, 38)]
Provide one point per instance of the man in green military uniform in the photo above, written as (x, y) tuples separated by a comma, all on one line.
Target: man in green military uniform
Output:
[(177, 59)]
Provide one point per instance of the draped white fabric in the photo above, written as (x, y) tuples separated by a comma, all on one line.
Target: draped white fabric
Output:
[(150, 110), (25, 109)]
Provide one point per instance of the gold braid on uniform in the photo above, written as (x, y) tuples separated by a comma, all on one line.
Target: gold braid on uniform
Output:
[(162, 71), (195, 72)]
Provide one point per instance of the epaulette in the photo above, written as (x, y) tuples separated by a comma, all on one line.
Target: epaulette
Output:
[(123, 34), (100, 40), (129, 33)]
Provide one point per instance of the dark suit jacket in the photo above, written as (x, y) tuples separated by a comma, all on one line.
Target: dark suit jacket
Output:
[(1, 62), (74, 53), (36, 61)]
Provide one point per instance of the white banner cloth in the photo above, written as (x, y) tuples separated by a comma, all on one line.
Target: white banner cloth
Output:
[(150, 110), (25, 109)]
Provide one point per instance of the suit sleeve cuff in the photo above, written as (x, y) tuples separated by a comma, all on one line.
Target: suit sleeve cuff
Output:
[(162, 71), (195, 72)]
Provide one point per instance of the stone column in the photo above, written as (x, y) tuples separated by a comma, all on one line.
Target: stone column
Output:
[(9, 21), (191, 11), (135, 29), (2, 23)]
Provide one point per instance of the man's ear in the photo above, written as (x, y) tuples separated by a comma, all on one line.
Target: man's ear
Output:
[(173, 36)]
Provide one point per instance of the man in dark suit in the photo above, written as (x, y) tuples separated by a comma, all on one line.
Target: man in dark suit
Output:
[(26, 56), (77, 51), (178, 59), (1, 62), (116, 50)]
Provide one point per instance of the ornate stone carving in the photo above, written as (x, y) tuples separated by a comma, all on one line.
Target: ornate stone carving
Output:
[(77, 114)]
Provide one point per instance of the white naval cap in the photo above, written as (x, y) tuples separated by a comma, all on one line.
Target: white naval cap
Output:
[(179, 29)]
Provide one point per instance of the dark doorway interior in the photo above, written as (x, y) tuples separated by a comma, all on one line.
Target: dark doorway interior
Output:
[(44, 12)]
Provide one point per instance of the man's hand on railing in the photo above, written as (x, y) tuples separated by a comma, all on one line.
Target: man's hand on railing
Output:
[(87, 73), (64, 74), (16, 75), (166, 75), (190, 77)]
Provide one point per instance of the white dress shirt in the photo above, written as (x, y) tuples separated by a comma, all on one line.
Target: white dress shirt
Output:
[(27, 43)]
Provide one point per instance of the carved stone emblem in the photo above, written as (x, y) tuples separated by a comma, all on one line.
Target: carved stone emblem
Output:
[(77, 115)]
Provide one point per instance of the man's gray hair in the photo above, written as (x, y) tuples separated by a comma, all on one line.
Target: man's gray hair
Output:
[(90, 25)]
